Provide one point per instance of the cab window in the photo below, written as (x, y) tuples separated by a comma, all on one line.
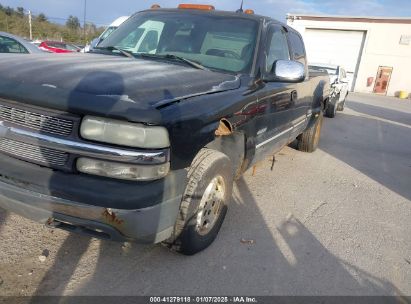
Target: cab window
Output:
[(297, 47), (278, 47)]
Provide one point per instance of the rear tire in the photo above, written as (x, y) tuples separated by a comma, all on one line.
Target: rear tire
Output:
[(309, 139), (204, 204)]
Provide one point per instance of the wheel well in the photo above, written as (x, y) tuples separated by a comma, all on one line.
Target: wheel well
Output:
[(233, 146)]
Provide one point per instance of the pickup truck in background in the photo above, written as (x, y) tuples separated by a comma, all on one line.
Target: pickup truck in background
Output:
[(144, 146), (339, 86)]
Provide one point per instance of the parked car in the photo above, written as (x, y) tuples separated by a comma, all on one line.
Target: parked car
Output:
[(339, 86), (13, 44), (113, 26), (143, 146), (58, 47)]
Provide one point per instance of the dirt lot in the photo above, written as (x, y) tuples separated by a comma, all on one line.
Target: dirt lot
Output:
[(336, 222)]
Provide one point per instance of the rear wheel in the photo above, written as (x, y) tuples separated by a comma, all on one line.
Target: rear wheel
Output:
[(309, 139), (204, 204)]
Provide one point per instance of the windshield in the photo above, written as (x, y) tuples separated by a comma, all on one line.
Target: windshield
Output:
[(216, 42)]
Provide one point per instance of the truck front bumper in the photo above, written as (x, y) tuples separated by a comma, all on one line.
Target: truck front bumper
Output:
[(147, 225)]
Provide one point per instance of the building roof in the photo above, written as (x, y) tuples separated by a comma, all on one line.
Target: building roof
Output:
[(369, 19)]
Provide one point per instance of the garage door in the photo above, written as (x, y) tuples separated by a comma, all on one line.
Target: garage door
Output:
[(335, 47)]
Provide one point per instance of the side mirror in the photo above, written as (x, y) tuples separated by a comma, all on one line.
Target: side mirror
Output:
[(344, 80), (287, 71)]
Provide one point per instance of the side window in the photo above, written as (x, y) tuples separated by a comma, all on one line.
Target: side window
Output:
[(297, 47), (8, 45), (278, 47)]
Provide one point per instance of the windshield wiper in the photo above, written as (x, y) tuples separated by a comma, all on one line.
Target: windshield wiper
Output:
[(174, 57), (114, 48)]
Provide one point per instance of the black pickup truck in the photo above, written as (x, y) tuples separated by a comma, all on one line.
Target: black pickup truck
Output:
[(141, 139)]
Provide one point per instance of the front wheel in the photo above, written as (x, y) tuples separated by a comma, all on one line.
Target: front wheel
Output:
[(204, 204), (309, 139)]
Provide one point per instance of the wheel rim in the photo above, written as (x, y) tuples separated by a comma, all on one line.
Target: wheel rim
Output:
[(211, 205)]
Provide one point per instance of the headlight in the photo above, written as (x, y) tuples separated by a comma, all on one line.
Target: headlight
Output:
[(122, 170), (124, 133)]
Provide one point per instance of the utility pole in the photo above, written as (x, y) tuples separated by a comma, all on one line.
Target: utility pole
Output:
[(84, 21), (31, 32)]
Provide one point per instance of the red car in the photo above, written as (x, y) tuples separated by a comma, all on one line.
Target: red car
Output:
[(57, 47)]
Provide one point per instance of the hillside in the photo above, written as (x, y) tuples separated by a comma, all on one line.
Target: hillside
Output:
[(16, 21)]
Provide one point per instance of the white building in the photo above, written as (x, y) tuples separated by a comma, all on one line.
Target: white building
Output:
[(376, 51)]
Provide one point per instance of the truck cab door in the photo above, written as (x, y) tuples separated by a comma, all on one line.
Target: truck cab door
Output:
[(275, 100), (304, 91)]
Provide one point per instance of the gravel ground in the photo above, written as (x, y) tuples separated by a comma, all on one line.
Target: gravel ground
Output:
[(335, 222)]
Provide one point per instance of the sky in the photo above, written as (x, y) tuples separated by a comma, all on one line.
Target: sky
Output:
[(103, 12)]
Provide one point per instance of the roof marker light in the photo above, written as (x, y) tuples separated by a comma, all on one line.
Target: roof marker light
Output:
[(155, 6), (203, 7), (249, 12)]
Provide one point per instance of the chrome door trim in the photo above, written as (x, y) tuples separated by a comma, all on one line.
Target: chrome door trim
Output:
[(273, 138)]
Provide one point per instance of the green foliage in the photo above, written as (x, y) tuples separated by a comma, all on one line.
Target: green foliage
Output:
[(41, 18), (20, 12), (17, 22), (73, 23)]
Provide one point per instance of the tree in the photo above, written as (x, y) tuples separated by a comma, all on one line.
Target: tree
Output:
[(20, 12), (9, 11), (41, 18), (73, 23)]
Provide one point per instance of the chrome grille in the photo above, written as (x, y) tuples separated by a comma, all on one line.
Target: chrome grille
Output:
[(40, 155), (36, 121)]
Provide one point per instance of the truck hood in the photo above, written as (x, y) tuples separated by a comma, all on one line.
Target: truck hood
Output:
[(105, 85)]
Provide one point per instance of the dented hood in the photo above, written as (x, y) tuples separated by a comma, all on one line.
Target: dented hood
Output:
[(105, 85)]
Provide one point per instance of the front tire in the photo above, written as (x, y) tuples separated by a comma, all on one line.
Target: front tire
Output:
[(309, 139), (204, 204)]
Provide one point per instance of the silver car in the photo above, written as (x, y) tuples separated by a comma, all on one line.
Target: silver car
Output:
[(16, 45)]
